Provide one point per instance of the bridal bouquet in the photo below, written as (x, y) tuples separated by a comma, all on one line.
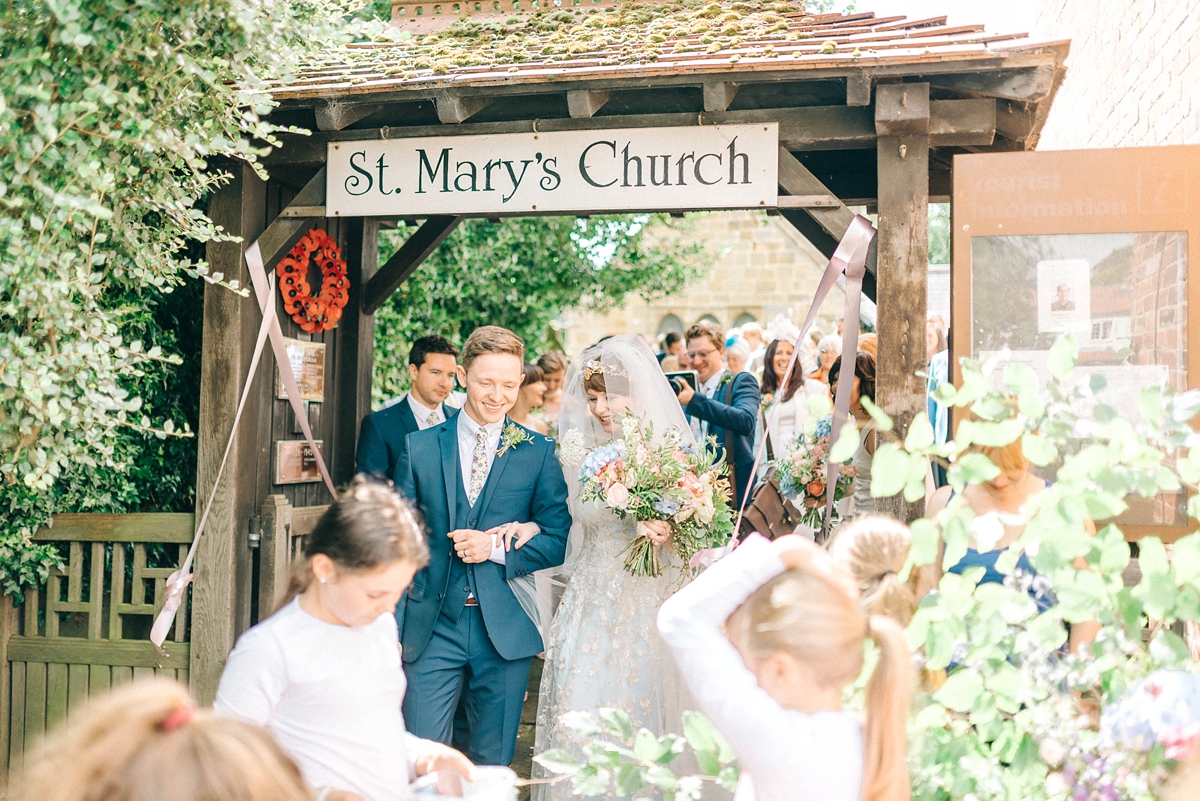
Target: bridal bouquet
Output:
[(802, 473), (643, 479)]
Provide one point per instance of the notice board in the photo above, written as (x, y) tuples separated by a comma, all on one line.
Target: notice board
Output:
[(1097, 243)]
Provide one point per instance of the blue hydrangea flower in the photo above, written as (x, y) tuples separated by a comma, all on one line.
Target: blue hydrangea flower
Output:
[(666, 506), (595, 461), (824, 427), (1166, 699)]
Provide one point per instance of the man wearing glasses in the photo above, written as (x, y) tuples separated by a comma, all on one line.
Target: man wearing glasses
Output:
[(725, 406)]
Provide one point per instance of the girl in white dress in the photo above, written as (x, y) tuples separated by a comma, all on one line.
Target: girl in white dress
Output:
[(603, 649), (797, 633), (323, 673)]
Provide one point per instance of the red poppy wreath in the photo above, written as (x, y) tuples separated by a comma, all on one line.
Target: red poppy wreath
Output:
[(320, 313)]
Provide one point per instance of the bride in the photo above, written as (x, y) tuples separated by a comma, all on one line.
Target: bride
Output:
[(603, 648)]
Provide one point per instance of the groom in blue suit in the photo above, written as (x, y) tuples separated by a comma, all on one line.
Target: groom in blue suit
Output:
[(495, 508)]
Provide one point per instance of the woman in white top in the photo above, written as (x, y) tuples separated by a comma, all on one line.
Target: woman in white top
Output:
[(864, 387), (323, 673), (775, 691), (784, 408)]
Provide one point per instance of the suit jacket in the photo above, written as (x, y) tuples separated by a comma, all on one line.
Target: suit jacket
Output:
[(738, 417), (525, 485), (382, 435)]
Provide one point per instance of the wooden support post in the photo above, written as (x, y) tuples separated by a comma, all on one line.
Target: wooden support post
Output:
[(584, 103), (220, 595), (407, 259), (903, 165), (273, 552), (355, 349), (8, 627)]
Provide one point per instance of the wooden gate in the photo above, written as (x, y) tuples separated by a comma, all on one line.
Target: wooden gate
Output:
[(87, 629), (284, 528)]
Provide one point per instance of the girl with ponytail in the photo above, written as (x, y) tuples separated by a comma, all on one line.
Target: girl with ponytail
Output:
[(873, 550), (772, 680), (323, 673)]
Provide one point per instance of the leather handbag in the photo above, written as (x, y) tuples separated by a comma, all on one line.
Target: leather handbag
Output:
[(769, 512)]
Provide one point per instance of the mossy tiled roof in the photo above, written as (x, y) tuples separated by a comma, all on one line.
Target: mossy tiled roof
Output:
[(643, 40)]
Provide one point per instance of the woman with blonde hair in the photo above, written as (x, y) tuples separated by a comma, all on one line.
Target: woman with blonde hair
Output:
[(997, 525), (873, 550), (772, 678), (147, 741)]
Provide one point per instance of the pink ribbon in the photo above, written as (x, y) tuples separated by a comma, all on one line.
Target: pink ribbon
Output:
[(850, 257), (264, 290)]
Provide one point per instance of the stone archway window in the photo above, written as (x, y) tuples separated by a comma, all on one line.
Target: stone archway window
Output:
[(670, 323), (743, 319), (708, 318)]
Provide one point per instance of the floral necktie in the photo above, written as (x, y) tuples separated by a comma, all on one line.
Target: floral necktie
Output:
[(479, 465), (434, 418)]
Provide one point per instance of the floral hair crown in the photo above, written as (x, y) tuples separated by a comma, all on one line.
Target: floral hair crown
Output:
[(596, 367)]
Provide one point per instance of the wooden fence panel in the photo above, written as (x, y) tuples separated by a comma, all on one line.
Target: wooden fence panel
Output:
[(86, 630)]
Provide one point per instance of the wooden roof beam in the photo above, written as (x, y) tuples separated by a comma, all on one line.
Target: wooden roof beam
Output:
[(333, 115), (952, 123), (406, 260), (718, 95), (858, 89), (823, 225), (584, 103), (902, 109), (306, 207), (1029, 85), (453, 109)]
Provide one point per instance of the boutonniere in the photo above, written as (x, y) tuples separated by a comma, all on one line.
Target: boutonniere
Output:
[(512, 436), (725, 379)]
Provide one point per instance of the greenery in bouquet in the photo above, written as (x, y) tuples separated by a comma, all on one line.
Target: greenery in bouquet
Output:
[(803, 473), (1008, 713), (643, 477)]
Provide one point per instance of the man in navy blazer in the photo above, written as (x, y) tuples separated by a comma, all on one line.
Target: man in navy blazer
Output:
[(494, 503), (431, 365), (725, 405)]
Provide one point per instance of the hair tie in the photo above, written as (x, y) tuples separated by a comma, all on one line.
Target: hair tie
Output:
[(179, 716)]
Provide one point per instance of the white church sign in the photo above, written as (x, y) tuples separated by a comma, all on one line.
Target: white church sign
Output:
[(637, 169)]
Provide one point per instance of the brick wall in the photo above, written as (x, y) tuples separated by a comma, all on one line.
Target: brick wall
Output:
[(1133, 74), (1159, 323), (763, 267)]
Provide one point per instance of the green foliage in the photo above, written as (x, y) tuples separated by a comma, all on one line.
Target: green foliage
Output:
[(111, 116), (939, 233), (616, 759), (149, 471), (1012, 719), (521, 274)]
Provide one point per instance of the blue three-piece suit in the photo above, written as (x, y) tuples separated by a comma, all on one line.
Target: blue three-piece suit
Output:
[(483, 651)]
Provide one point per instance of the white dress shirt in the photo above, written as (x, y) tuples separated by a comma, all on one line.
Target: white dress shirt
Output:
[(785, 754), (466, 456), (708, 389), (423, 413)]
